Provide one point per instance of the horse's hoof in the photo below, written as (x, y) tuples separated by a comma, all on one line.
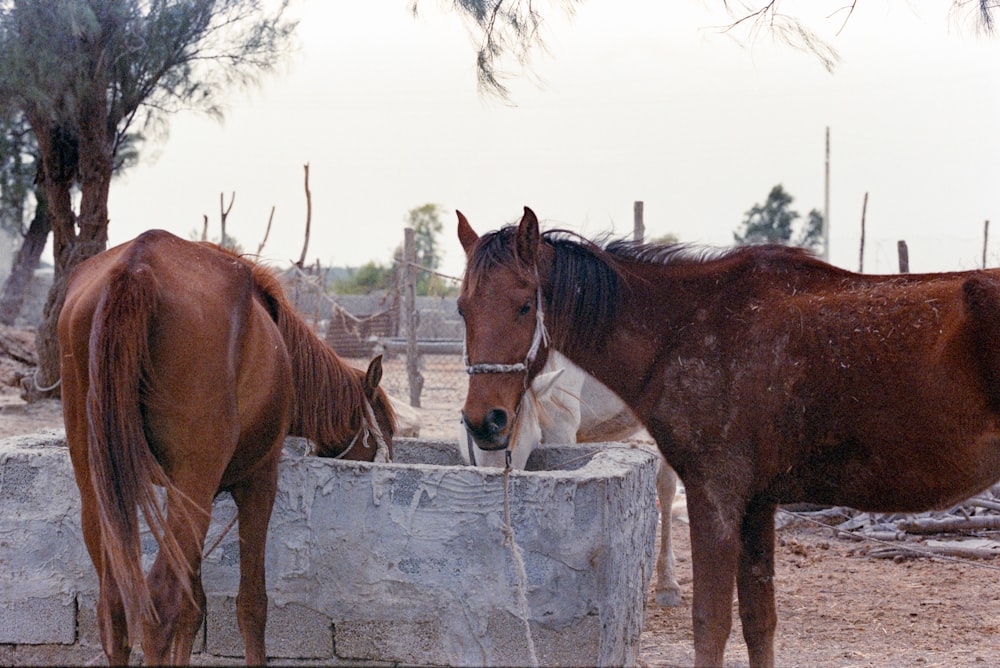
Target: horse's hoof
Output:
[(668, 598)]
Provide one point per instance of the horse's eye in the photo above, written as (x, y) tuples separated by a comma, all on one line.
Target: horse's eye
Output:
[(525, 309)]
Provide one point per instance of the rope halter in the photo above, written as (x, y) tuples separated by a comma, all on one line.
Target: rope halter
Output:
[(538, 339), (369, 430)]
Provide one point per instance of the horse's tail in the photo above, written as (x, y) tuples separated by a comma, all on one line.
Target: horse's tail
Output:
[(123, 468)]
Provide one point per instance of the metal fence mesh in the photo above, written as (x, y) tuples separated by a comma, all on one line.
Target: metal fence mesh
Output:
[(358, 327)]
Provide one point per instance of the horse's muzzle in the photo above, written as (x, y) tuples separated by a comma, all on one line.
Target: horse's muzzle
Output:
[(490, 435)]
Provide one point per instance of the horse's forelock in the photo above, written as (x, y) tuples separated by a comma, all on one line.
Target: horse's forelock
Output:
[(494, 249)]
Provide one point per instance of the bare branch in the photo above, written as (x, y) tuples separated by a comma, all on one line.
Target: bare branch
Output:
[(223, 215), (305, 244), (503, 27), (982, 10), (267, 231), (784, 27)]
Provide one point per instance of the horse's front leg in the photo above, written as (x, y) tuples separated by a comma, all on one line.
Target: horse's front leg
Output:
[(715, 546), (755, 583), (668, 591)]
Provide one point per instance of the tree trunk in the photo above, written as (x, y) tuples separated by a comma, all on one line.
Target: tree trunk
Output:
[(88, 156), (16, 286)]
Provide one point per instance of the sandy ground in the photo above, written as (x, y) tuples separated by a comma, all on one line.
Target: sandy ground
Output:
[(837, 606)]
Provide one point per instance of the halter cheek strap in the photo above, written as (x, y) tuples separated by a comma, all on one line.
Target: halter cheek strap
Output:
[(369, 430)]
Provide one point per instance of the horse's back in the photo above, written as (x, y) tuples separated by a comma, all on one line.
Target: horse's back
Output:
[(217, 362), (829, 382)]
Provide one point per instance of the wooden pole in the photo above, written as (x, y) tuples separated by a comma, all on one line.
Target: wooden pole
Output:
[(638, 225), (986, 238), (416, 381), (826, 201), (904, 257), (861, 252)]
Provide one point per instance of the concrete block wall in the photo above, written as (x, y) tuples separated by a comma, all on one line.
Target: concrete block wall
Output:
[(392, 563)]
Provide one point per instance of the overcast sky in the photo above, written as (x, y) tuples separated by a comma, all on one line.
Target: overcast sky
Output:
[(634, 100)]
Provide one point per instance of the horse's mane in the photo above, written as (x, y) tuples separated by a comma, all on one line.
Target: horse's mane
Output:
[(328, 405), (590, 278), (688, 254)]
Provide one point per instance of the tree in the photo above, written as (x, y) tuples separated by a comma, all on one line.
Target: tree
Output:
[(365, 279), (426, 223), (18, 167), (514, 27), (92, 75), (775, 222)]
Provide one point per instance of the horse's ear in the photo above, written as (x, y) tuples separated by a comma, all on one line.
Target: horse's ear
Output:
[(374, 374), (528, 237), (466, 234)]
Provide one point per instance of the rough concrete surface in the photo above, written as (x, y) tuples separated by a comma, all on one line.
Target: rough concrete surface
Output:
[(383, 563)]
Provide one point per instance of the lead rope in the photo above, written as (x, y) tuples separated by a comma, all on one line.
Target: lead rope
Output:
[(372, 429), (520, 572)]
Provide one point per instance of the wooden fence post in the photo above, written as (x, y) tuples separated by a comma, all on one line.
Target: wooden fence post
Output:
[(638, 225), (986, 239), (861, 252), (409, 316), (904, 256)]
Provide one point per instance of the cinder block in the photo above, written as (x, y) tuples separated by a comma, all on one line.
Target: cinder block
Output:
[(38, 621), (293, 632)]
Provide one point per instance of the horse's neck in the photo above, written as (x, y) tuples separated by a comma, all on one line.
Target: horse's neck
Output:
[(634, 341)]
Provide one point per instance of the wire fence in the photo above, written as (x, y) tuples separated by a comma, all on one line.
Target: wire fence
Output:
[(420, 339)]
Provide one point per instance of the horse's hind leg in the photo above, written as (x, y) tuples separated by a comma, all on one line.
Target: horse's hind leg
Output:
[(169, 640), (755, 584), (668, 591), (254, 498), (111, 619), (188, 623)]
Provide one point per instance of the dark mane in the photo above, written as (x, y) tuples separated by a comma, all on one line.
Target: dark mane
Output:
[(686, 254), (590, 278), (321, 380), (585, 290)]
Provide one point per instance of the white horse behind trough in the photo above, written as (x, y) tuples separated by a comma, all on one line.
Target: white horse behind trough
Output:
[(567, 405)]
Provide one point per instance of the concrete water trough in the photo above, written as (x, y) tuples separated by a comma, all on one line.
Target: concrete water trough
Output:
[(395, 563)]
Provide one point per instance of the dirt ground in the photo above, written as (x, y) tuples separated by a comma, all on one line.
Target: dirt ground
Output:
[(837, 606)]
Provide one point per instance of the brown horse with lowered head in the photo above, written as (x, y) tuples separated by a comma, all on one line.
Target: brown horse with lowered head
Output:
[(184, 366), (765, 375)]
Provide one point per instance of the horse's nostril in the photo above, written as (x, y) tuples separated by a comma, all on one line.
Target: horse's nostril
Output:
[(496, 421)]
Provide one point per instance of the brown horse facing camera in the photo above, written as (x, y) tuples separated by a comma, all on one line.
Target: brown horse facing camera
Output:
[(184, 366), (765, 375)]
